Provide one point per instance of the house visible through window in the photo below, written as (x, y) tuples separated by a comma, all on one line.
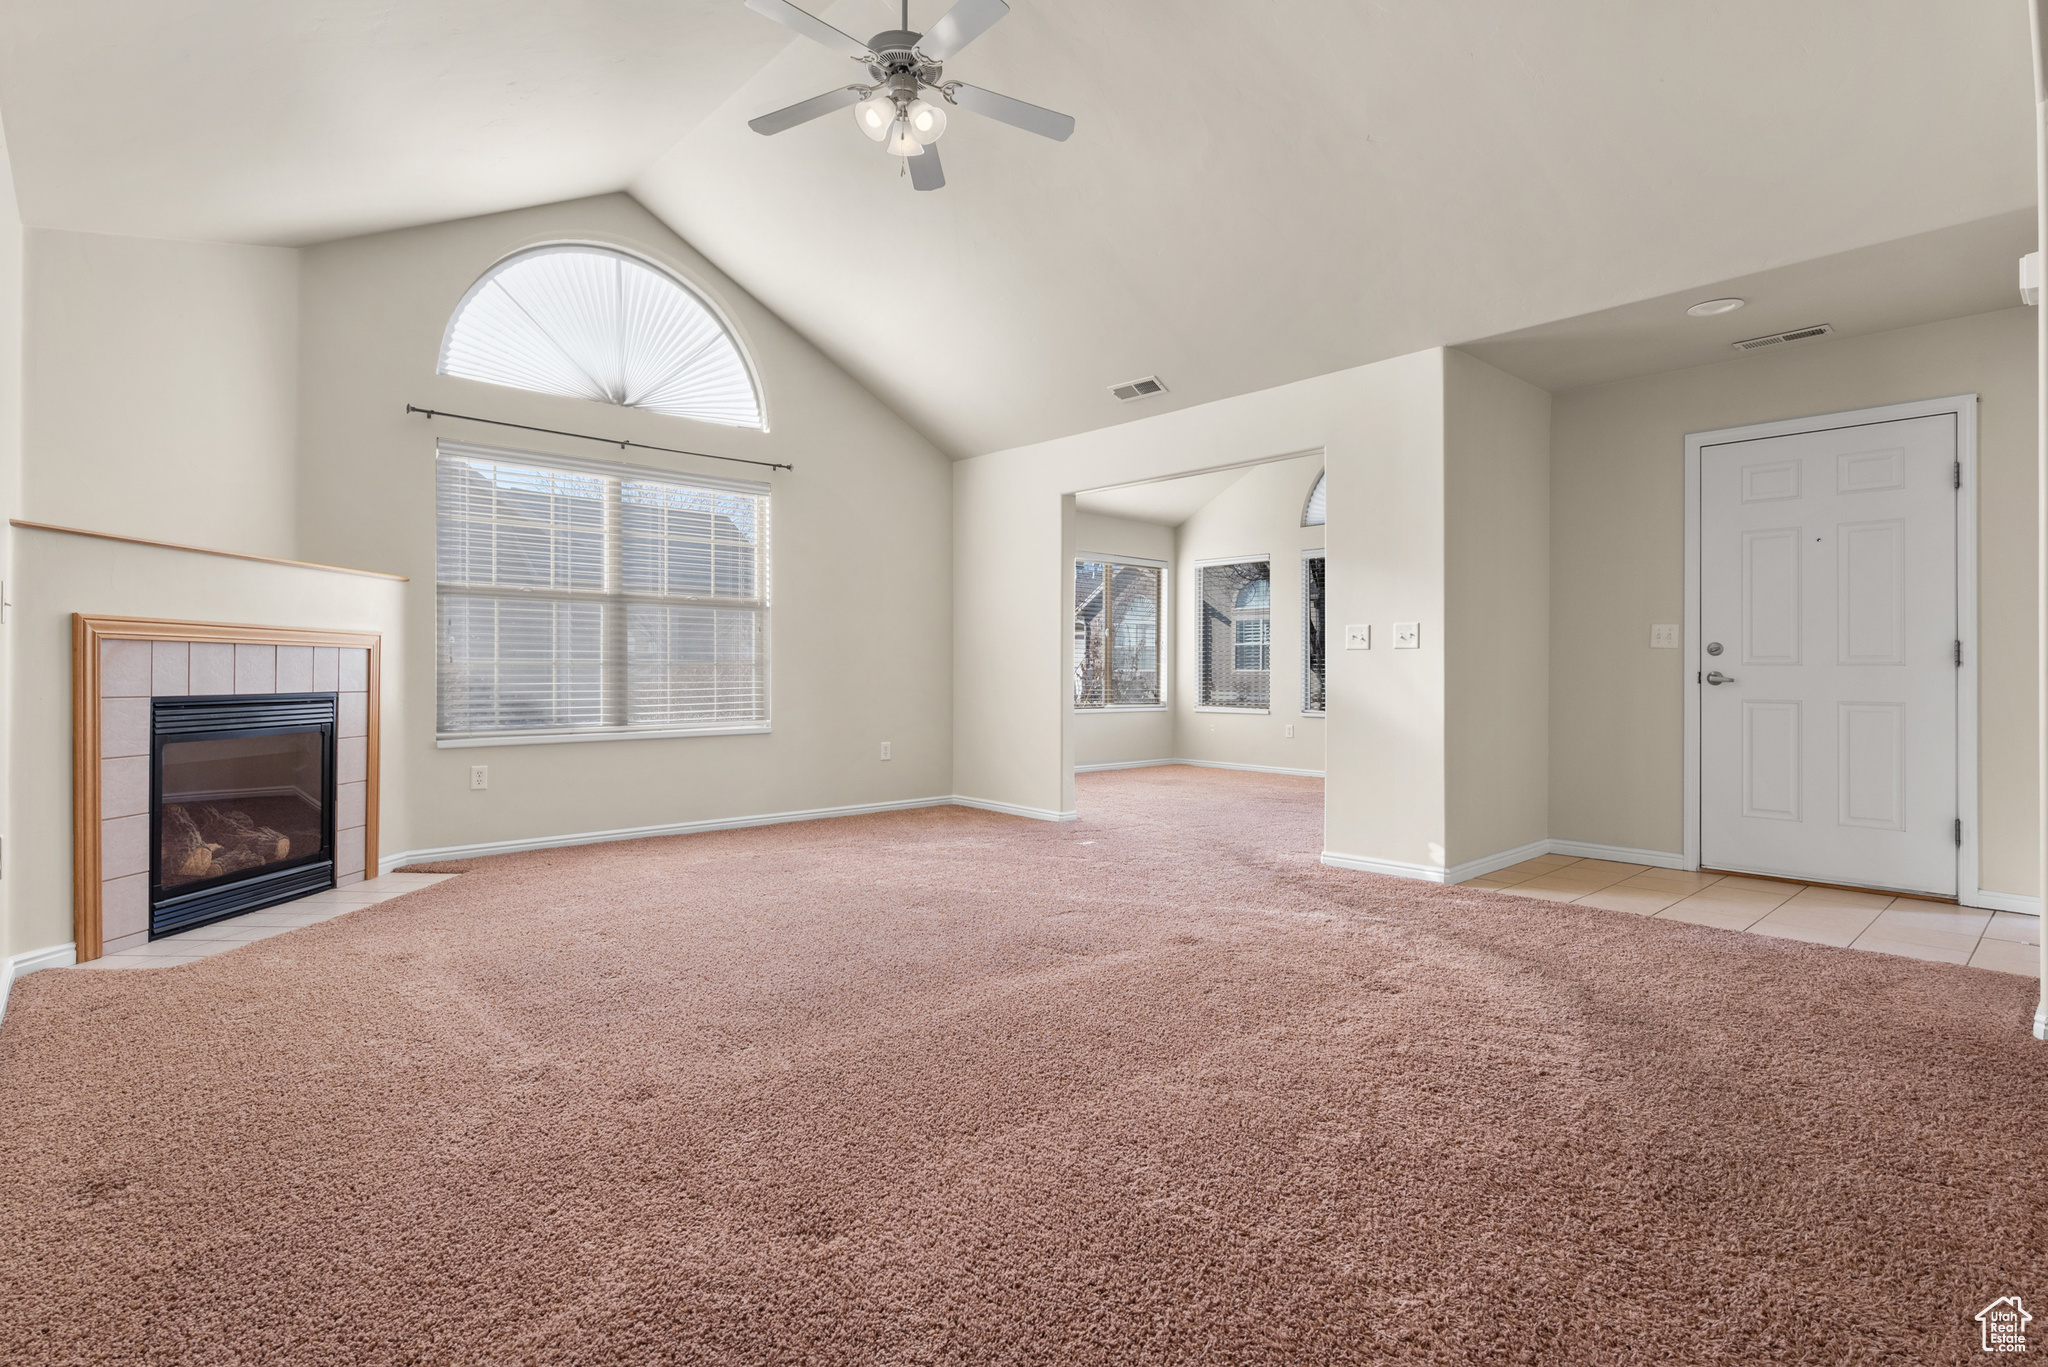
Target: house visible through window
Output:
[(1237, 634), (1312, 631), (1116, 634), (585, 599)]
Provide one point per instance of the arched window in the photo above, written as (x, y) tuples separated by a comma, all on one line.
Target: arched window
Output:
[(593, 323), (1253, 626), (1312, 512)]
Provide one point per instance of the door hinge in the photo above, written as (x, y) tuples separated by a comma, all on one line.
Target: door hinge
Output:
[(1959, 832), (1959, 474), (1959, 654)]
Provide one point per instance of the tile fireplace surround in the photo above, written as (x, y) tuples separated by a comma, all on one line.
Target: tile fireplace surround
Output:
[(118, 665)]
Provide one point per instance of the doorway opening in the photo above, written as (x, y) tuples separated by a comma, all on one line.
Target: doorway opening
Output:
[(1197, 622)]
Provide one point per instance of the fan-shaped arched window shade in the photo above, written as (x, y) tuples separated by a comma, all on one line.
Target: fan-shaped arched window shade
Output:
[(1312, 514), (598, 324)]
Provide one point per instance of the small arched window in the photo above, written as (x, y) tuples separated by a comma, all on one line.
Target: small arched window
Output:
[(1312, 512), (1252, 631), (594, 323)]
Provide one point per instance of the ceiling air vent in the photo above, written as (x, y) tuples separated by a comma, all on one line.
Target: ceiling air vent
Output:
[(1138, 389), (1779, 338)]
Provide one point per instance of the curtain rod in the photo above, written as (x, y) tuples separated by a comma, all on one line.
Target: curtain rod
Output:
[(431, 413)]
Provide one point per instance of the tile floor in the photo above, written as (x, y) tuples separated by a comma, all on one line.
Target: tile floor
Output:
[(222, 936), (2004, 940)]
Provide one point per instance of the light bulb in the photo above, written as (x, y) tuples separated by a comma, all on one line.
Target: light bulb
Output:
[(927, 121), (901, 143), (874, 115)]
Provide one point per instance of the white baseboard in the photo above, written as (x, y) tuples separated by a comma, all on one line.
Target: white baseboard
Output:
[(386, 863), (1011, 809), (1125, 764), (1421, 873), (2002, 901), (1500, 859), (56, 956), (1199, 764), (1620, 854)]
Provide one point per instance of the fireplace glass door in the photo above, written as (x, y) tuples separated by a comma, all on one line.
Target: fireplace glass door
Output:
[(242, 812), (233, 803)]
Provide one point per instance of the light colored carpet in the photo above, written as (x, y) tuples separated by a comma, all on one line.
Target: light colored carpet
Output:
[(944, 1086)]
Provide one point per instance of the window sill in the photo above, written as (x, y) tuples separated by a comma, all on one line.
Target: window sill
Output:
[(1306, 713), (1246, 711), (618, 733), (1080, 711)]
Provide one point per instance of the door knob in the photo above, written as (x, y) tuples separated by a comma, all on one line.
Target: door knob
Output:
[(1717, 678)]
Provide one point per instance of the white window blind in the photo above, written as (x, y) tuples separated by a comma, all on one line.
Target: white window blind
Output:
[(598, 324), (583, 599), (1116, 634), (1237, 634), (1312, 632), (1314, 512)]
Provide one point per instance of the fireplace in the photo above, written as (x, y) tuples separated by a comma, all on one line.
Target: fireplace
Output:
[(242, 804)]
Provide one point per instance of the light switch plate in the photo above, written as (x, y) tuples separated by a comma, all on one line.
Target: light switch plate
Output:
[(1664, 637), (1358, 638), (1407, 635)]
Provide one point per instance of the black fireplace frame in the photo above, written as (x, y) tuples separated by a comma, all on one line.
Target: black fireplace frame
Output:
[(212, 716)]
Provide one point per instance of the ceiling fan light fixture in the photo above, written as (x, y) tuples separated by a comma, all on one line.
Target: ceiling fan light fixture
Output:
[(927, 121), (874, 115), (902, 144)]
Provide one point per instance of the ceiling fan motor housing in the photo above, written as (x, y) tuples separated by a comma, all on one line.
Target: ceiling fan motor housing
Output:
[(897, 62)]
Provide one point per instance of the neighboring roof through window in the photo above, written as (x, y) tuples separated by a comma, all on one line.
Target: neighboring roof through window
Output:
[(594, 323)]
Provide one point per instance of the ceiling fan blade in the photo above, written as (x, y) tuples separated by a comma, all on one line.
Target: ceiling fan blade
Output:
[(1029, 117), (925, 171), (810, 26), (966, 21), (814, 108)]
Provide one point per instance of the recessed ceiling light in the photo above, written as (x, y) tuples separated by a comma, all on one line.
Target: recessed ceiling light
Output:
[(1711, 307)]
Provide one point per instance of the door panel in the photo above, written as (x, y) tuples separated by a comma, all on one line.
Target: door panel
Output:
[(1831, 760)]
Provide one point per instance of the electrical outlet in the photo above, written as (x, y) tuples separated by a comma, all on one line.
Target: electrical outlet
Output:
[(1664, 637), (1290, 730), (1407, 635), (1358, 638), (885, 749), (479, 777)]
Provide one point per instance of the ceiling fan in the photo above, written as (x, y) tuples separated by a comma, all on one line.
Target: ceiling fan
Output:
[(902, 65)]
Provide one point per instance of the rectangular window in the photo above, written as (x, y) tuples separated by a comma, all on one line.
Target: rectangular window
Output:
[(1312, 632), (581, 599), (1237, 634), (1116, 634)]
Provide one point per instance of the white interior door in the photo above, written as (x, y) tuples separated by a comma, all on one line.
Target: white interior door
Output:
[(1828, 657)]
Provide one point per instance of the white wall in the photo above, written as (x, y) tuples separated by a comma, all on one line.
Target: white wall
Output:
[(160, 389), (1258, 515), (1380, 428), (1497, 620), (861, 557), (1104, 737), (11, 244), (1617, 565)]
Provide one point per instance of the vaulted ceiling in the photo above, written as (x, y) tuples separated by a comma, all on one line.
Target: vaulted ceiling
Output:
[(1256, 193)]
